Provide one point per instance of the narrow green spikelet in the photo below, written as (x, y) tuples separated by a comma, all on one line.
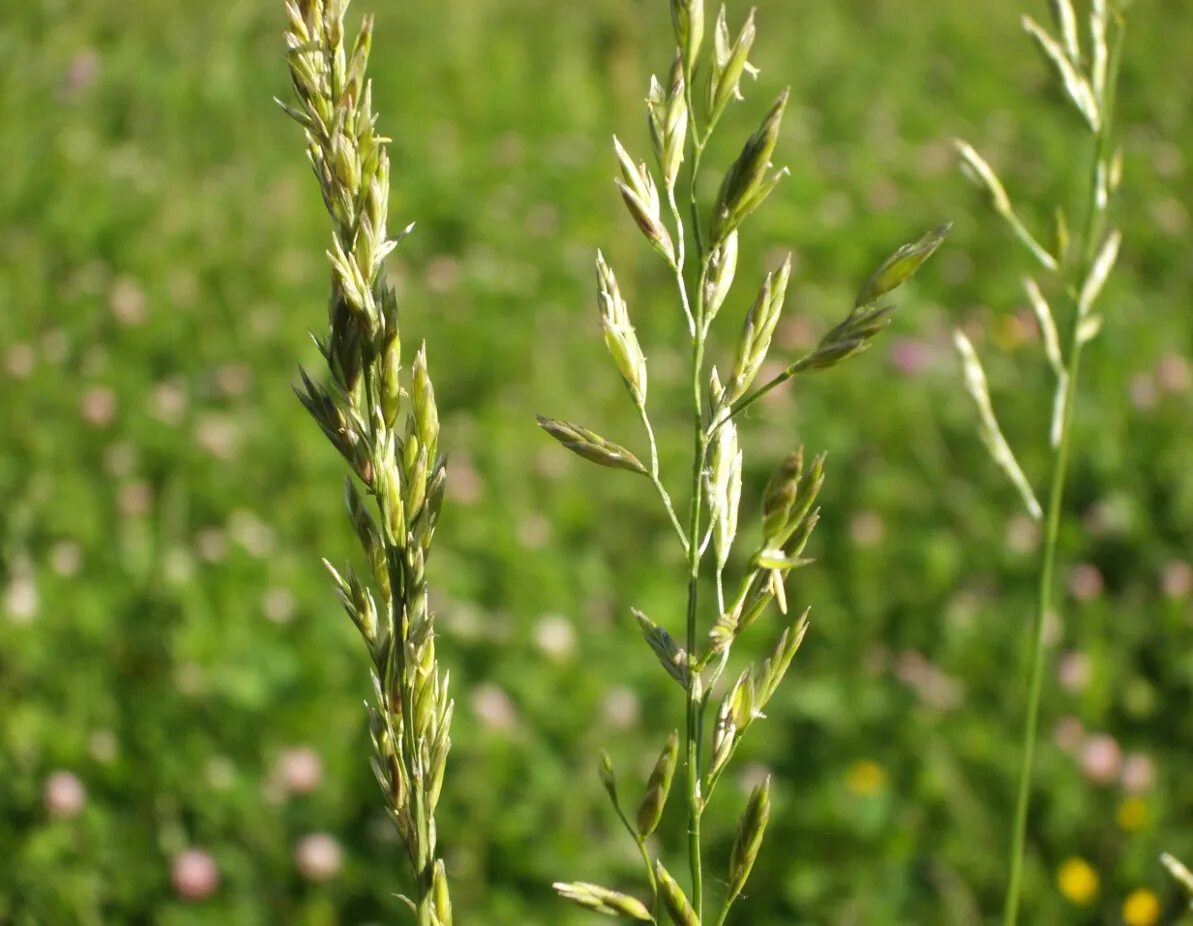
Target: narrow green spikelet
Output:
[(750, 179), (591, 445), (730, 62), (759, 328), (781, 493), (774, 668), (1079, 87), (620, 338), (989, 429), (722, 267), (750, 832), (668, 119), (442, 900), (603, 900), (671, 656), (658, 786), (687, 19), (901, 266), (675, 901)]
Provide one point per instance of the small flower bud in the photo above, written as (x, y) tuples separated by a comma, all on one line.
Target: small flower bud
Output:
[(608, 779), (724, 482), (741, 701), (724, 737)]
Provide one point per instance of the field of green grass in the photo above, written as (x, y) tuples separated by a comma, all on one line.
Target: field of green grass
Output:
[(178, 686)]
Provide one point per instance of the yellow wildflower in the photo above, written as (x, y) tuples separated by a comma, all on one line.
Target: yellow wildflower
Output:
[(1078, 882), (1141, 908), (865, 777), (1132, 814)]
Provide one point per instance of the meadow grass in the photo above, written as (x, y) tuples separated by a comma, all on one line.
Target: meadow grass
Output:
[(167, 638), (1076, 266), (698, 243), (387, 430)]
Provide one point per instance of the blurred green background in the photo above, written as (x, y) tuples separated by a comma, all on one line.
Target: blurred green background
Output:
[(182, 737)]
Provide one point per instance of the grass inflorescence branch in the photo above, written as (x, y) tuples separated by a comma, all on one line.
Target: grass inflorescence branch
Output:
[(1074, 271), (383, 421), (700, 250)]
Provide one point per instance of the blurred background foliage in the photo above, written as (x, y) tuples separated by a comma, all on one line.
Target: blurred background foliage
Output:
[(182, 738)]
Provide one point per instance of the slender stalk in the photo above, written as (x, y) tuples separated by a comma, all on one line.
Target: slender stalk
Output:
[(650, 876), (1036, 682), (694, 696), (658, 483), (1090, 241)]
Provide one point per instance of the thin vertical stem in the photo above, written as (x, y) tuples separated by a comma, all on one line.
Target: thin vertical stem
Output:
[(656, 480), (1090, 242), (1036, 682), (693, 725), (692, 738)]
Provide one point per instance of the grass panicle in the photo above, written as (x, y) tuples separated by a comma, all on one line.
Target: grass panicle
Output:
[(1072, 275), (383, 420), (698, 242)]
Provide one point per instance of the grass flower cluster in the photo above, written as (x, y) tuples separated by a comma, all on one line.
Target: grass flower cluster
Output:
[(1074, 270), (386, 427), (698, 243)]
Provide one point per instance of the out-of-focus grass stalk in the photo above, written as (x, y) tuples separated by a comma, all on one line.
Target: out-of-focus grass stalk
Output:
[(1183, 876), (1089, 82), (1096, 212)]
